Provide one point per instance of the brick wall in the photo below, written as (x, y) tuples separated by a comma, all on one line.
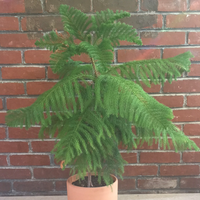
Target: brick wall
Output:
[(167, 28)]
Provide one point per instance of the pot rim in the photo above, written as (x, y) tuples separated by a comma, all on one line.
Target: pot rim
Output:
[(92, 188)]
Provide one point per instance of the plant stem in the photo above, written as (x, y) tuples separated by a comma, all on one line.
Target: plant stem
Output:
[(94, 67), (89, 179)]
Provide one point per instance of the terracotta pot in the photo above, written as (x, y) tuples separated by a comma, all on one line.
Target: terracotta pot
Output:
[(98, 193)]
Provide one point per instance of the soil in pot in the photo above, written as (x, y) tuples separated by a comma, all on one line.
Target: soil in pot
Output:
[(84, 182)]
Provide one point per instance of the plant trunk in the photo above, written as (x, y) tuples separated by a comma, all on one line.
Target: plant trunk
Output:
[(89, 179)]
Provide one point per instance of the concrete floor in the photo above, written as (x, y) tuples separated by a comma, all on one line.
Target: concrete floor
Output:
[(191, 196)]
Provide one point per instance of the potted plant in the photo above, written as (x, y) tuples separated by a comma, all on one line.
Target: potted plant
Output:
[(94, 106)]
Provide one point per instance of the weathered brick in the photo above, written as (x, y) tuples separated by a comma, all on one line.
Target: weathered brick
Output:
[(191, 157), (193, 101), (127, 5), (170, 101), (159, 157), (142, 170), (60, 185), (19, 40), (44, 23), (174, 52), (190, 183), (51, 75), (10, 57), (36, 88), (181, 86), (15, 174), (194, 5), (13, 147), (9, 24), (192, 129), (47, 173), (5, 186), (183, 21), (194, 70), (181, 170), (3, 161), (29, 160), (190, 115), (37, 56), (33, 186), (15, 103), (11, 88), (126, 55), (20, 6), (144, 21), (2, 133), (52, 6), (1, 104), (2, 117), (163, 38), (157, 183), (126, 184), (23, 72), (42, 146), (130, 157), (194, 38), (17, 133)]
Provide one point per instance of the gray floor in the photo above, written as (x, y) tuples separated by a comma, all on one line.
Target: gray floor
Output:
[(121, 197)]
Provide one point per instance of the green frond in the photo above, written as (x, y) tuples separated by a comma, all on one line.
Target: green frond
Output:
[(155, 70), (54, 100), (51, 41), (118, 31), (75, 22)]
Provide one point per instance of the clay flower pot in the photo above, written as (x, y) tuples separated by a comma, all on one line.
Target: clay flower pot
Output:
[(92, 193)]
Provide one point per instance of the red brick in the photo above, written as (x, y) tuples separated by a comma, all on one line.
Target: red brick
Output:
[(159, 157), (17, 133), (42, 23), (2, 117), (194, 5), (196, 141), (183, 21), (192, 129), (15, 103), (126, 184), (43, 146), (163, 38), (140, 170), (5, 186), (145, 146), (152, 89), (174, 52), (10, 57), (190, 115), (130, 157), (51, 75), (144, 21), (36, 88), (126, 55), (194, 38), (182, 86), (12, 6), (187, 183), (37, 56), (83, 57), (157, 183), (3, 161), (47, 173), (194, 70), (191, 157), (181, 170), (23, 72), (9, 24), (29, 160), (13, 147), (2, 133), (19, 40), (1, 104), (170, 101), (15, 174), (33, 186), (172, 5), (61, 186), (11, 88), (193, 101)]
